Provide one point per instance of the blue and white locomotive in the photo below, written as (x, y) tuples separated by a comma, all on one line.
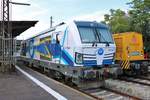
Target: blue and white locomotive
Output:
[(78, 50)]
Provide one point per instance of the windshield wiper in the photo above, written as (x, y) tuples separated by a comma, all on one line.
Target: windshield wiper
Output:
[(94, 43), (105, 41)]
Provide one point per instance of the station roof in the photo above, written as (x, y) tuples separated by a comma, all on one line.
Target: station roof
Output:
[(19, 27)]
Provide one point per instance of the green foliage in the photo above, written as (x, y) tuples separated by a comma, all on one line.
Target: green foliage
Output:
[(118, 21), (140, 19), (137, 19), (140, 16)]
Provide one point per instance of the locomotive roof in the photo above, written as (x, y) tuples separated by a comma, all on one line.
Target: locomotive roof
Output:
[(78, 23), (46, 31), (90, 24), (20, 26)]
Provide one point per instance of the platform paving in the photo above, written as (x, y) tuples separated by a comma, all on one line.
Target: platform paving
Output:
[(64, 90), (14, 86)]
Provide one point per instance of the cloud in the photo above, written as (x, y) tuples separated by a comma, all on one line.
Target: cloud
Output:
[(95, 16), (33, 12), (44, 24), (33, 30), (27, 12)]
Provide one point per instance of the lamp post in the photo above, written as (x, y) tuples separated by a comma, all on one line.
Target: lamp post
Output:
[(17, 3)]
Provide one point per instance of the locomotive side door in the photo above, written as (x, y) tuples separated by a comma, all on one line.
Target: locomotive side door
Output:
[(56, 46)]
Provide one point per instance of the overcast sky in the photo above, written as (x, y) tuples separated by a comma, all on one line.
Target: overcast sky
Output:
[(62, 10)]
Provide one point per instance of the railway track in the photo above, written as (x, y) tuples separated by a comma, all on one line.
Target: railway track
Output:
[(138, 80), (143, 80), (145, 77), (103, 93), (100, 93), (129, 87)]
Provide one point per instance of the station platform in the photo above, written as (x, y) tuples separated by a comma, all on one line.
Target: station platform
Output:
[(26, 84), (15, 87)]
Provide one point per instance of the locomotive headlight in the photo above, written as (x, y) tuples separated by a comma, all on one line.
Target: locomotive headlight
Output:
[(78, 58)]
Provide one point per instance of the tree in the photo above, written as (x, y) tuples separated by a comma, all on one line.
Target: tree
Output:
[(140, 19), (118, 21), (137, 19), (140, 16)]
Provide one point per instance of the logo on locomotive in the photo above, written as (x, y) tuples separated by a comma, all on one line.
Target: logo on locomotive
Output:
[(100, 51)]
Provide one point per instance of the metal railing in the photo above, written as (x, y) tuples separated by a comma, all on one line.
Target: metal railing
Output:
[(7, 58), (7, 43)]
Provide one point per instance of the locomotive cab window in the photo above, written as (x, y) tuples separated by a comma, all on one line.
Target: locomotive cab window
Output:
[(98, 35), (88, 35), (104, 35)]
